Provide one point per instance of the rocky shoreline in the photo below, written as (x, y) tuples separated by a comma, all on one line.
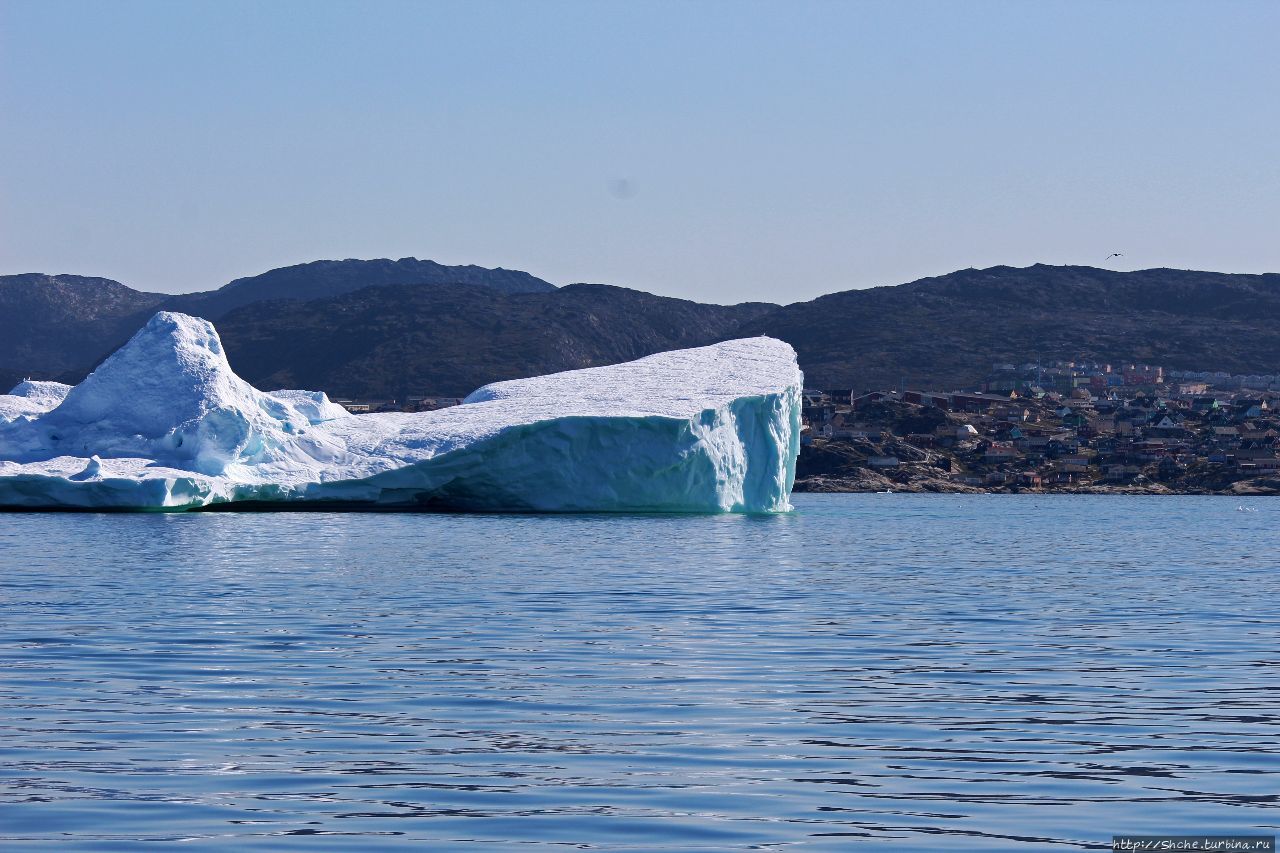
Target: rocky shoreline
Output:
[(867, 481)]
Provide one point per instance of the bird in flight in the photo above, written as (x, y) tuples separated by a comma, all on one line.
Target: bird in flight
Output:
[(1113, 255)]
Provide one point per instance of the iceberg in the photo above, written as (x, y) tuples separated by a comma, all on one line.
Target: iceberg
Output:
[(165, 424)]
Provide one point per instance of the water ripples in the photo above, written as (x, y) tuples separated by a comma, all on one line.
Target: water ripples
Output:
[(903, 672)]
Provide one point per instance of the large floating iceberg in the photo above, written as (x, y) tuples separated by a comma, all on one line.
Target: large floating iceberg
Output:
[(164, 424)]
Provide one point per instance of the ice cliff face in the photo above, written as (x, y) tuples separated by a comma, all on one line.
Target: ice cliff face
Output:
[(165, 423)]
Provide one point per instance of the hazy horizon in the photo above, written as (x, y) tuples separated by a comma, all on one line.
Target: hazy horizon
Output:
[(712, 151)]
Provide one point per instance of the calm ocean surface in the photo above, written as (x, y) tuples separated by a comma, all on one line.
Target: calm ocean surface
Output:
[(872, 672)]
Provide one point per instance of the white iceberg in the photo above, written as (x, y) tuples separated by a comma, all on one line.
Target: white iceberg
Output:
[(165, 424)]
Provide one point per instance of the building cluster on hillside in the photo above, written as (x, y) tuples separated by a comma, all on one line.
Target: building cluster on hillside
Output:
[(1098, 378), (1070, 424)]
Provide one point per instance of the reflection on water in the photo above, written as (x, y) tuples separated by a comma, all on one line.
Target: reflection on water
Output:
[(881, 672)]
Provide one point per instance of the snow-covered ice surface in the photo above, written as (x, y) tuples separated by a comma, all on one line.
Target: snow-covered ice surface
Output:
[(31, 397), (164, 424)]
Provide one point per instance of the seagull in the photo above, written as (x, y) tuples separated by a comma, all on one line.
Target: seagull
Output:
[(1113, 255)]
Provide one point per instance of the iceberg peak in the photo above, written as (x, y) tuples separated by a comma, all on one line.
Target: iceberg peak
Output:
[(173, 370), (170, 395)]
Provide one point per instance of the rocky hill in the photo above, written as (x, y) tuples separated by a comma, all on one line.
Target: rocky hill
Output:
[(54, 326), (380, 328), (326, 279), (945, 332), (451, 339)]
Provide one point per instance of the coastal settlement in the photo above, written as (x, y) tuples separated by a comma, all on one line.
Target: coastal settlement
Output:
[(1083, 427)]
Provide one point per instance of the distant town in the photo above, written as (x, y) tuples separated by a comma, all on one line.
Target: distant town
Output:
[(1066, 426)]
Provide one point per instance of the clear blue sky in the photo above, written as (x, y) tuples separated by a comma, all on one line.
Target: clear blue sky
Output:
[(717, 151)]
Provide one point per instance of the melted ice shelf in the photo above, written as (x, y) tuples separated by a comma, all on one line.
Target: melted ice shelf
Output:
[(164, 423)]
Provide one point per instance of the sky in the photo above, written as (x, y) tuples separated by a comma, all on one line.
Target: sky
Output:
[(719, 151)]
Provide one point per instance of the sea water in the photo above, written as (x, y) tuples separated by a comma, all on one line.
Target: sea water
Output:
[(871, 672)]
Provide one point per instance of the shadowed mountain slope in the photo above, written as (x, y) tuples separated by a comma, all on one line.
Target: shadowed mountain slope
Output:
[(325, 279), (54, 326), (50, 324), (389, 341), (946, 332), (359, 328)]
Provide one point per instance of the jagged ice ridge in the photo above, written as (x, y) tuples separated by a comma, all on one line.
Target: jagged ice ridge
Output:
[(165, 424)]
